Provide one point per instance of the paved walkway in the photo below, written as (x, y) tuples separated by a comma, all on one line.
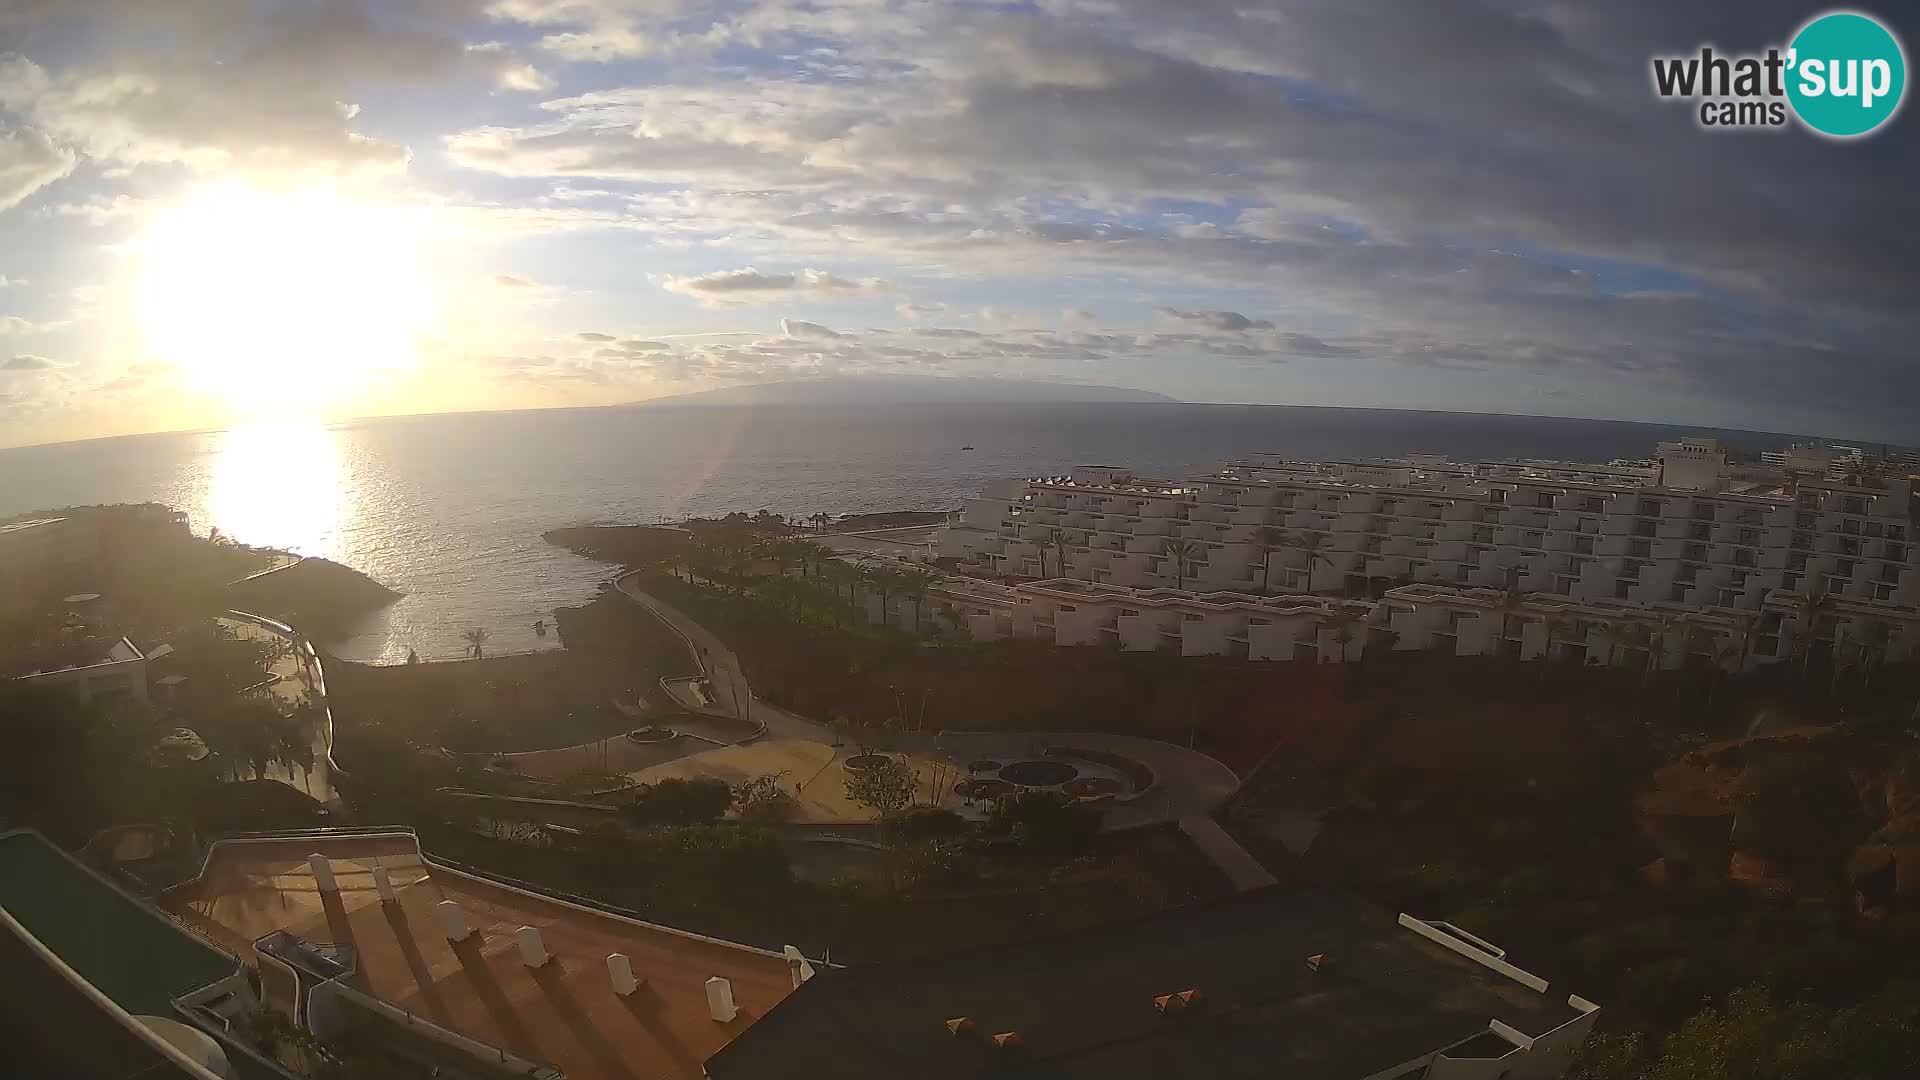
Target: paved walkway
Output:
[(725, 678), (1187, 782), (1241, 868), (296, 682)]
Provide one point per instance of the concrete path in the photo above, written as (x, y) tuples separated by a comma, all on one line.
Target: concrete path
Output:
[(725, 678), (297, 679), (1241, 868)]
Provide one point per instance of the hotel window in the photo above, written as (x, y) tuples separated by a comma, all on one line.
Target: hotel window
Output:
[(1801, 542), (1545, 500), (1896, 532), (1889, 573), (1805, 521), (1843, 567), (1620, 589), (1848, 545), (1853, 504), (1796, 561), (1643, 527), (1750, 537), (1726, 598), (1808, 500), (1883, 592), (1699, 532), (1640, 549), (1743, 558), (1649, 508), (1696, 552), (1583, 544), (1703, 511)]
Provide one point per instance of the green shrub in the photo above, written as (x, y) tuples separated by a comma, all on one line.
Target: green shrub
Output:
[(674, 801)]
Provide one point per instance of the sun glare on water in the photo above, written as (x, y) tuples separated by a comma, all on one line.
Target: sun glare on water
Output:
[(288, 301)]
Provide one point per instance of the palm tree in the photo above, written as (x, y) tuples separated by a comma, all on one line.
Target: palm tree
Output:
[(1057, 538), (475, 639), (1343, 623), (913, 586), (1512, 603), (1180, 552), (1313, 545), (1264, 542), (1557, 624), (1809, 608), (883, 578), (1616, 636), (1875, 639)]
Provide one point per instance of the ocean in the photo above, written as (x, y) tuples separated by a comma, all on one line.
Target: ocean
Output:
[(449, 509)]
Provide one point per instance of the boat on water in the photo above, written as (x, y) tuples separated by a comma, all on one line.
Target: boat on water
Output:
[(966, 448)]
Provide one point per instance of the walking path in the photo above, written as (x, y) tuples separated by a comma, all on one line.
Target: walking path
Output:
[(1241, 868), (1187, 783), (725, 678), (296, 677)]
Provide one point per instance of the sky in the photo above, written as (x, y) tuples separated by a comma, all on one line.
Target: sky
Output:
[(214, 208)]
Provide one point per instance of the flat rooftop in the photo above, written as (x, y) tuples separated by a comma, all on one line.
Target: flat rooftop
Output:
[(564, 1013), (1083, 1003)]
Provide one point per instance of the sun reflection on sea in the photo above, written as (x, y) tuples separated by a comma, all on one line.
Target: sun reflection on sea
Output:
[(277, 483)]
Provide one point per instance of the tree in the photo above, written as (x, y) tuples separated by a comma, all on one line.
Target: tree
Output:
[(1058, 539), (1045, 822), (1513, 603), (913, 586), (762, 800), (476, 639), (886, 787), (1873, 642), (1810, 609), (1180, 552), (1313, 545), (1265, 542)]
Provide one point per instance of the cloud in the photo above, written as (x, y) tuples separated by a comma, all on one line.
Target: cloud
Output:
[(29, 161), (1225, 321), (14, 324), (10, 282), (1031, 143), (795, 328), (513, 281), (593, 336), (749, 285), (233, 86), (911, 310), (30, 362)]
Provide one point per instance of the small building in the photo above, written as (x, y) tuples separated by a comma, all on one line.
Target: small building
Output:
[(1272, 983), (92, 670)]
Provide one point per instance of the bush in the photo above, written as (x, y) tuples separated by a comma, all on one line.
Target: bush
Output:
[(701, 857), (1045, 822), (674, 801), (918, 823), (762, 801)]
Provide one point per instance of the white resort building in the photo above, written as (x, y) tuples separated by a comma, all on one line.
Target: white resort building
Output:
[(1688, 554)]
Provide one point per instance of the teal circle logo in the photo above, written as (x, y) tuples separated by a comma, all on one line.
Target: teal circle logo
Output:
[(1847, 74)]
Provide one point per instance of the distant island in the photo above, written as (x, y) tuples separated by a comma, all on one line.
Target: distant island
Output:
[(903, 390)]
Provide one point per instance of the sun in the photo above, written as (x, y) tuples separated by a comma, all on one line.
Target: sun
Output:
[(295, 299)]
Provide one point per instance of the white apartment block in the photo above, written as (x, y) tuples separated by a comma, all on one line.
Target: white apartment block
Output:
[(1640, 542), (1454, 621), (1679, 529)]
